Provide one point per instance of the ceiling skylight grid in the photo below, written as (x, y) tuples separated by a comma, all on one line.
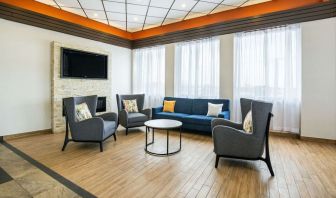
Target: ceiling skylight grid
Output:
[(137, 15)]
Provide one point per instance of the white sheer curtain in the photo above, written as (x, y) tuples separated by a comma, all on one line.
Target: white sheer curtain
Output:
[(149, 74), (197, 69), (267, 66)]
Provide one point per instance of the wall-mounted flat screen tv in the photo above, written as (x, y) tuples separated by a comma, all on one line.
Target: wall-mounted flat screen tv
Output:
[(80, 64)]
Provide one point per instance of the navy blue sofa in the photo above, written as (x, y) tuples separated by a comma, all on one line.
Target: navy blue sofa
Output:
[(192, 112)]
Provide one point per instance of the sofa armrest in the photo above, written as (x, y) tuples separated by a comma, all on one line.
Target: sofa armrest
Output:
[(224, 114), (223, 122), (232, 142), (111, 116), (147, 112), (157, 110)]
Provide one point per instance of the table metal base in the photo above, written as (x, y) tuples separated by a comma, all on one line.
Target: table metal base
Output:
[(152, 142)]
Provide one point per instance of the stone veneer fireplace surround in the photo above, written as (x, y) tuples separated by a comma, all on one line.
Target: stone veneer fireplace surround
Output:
[(66, 87)]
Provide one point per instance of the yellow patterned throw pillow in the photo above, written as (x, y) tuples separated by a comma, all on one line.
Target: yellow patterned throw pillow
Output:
[(82, 112), (248, 124), (131, 106), (169, 106)]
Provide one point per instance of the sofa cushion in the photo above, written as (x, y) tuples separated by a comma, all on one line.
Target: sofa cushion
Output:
[(173, 116), (169, 106), (182, 105), (137, 117), (200, 106), (198, 119), (131, 106), (82, 112)]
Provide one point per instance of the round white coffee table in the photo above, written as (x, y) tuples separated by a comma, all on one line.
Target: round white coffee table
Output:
[(163, 124)]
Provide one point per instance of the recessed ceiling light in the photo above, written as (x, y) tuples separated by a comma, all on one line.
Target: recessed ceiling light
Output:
[(95, 14), (183, 5), (135, 18)]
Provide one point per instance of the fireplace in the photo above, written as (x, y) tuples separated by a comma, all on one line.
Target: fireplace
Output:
[(101, 105)]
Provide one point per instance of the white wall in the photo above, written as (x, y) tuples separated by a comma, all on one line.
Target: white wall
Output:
[(318, 117), (226, 68), (25, 80), (169, 72)]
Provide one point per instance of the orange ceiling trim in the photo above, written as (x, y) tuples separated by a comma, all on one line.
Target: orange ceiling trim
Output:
[(67, 16), (239, 13)]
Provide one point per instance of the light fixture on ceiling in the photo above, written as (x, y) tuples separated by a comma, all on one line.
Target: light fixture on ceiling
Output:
[(135, 18), (95, 14), (183, 5)]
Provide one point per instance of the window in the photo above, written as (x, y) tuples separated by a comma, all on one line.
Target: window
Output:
[(149, 74), (267, 66), (197, 69)]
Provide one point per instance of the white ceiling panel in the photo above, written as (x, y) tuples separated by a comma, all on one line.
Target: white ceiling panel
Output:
[(92, 4), (133, 27), (121, 1), (148, 26), (169, 21), (253, 2), (118, 24), (75, 11), (157, 12), (68, 3), (194, 15), (153, 20), (161, 3), (212, 1), (102, 21), (139, 2), (135, 18), (115, 6), (48, 2), (234, 2), (176, 14), (136, 9), (222, 8), (204, 7), (116, 16), (95, 14), (185, 5)]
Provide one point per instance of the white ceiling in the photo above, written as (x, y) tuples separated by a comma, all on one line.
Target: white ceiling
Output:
[(137, 15)]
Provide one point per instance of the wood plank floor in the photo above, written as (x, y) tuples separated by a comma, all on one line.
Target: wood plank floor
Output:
[(302, 169)]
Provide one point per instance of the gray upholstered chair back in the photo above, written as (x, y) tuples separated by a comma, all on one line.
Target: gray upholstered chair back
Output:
[(140, 98), (260, 114), (245, 106), (71, 102)]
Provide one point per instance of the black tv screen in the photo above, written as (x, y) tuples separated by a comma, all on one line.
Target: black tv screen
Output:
[(79, 64)]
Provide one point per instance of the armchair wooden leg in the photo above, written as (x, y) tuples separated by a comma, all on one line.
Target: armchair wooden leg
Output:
[(115, 137), (101, 146), (217, 160), (269, 165), (66, 138), (126, 131), (65, 143)]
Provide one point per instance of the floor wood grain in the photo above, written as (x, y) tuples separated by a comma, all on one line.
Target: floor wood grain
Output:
[(302, 168)]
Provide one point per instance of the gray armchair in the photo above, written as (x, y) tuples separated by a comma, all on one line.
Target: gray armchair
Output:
[(230, 141), (130, 120), (96, 129)]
